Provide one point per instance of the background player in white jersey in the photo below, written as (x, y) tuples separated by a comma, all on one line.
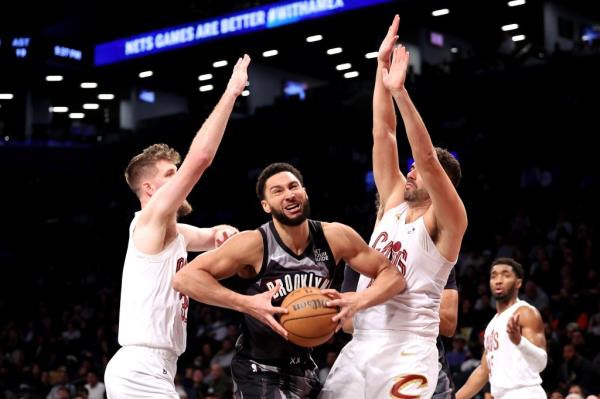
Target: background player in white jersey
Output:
[(515, 344), (289, 252), (153, 316), (393, 350)]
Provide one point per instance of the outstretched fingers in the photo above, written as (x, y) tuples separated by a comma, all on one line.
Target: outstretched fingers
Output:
[(237, 64), (242, 62), (513, 329), (387, 45), (245, 61), (331, 294)]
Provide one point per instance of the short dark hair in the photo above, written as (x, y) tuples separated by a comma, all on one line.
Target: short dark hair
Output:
[(450, 164), (145, 162), (271, 170), (516, 266)]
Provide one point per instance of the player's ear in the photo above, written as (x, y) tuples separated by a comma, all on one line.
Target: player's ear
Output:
[(148, 188), (519, 283), (265, 206)]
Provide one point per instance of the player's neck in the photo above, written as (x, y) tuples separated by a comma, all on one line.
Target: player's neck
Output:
[(502, 306), (416, 210), (294, 237)]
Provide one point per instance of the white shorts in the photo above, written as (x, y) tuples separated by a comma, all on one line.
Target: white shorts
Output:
[(141, 372), (384, 364), (534, 392)]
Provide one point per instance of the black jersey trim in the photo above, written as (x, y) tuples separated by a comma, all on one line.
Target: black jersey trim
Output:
[(304, 253), (265, 259), (321, 240)]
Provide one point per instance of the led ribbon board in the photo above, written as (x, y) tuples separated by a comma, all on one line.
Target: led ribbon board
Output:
[(251, 20)]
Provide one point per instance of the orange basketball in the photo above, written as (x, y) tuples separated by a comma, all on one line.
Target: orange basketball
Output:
[(308, 322)]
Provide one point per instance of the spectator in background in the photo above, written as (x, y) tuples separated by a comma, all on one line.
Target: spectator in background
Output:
[(195, 386), (535, 296), (219, 384), (95, 388), (576, 369)]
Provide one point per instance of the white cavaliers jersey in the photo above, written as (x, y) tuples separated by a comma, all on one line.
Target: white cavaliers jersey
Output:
[(152, 313), (506, 364), (410, 248)]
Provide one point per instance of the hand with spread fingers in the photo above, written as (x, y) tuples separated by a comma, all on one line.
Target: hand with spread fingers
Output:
[(395, 76), (260, 307), (346, 302), (514, 329), (387, 45)]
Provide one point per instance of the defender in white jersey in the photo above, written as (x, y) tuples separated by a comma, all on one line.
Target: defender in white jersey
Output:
[(515, 345), (153, 316), (393, 350)]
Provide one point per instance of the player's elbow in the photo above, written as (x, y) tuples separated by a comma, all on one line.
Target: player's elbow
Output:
[(205, 160), (401, 283), (448, 328), (178, 281)]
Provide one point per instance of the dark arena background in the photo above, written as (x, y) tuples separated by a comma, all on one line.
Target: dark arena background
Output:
[(512, 88)]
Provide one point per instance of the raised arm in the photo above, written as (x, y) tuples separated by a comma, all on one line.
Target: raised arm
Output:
[(165, 202), (449, 217), (346, 244), (477, 380), (242, 253), (388, 177), (526, 330)]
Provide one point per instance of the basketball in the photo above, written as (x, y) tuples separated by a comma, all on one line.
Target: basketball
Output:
[(308, 322)]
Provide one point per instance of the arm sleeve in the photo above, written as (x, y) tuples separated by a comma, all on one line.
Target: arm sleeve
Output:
[(534, 355)]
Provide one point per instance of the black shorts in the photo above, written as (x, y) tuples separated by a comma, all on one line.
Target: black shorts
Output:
[(295, 378), (444, 388)]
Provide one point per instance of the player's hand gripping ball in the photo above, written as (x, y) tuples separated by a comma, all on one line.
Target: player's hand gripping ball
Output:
[(308, 321)]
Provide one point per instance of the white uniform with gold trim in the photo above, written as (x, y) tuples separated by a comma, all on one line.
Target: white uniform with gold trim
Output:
[(152, 323), (393, 351)]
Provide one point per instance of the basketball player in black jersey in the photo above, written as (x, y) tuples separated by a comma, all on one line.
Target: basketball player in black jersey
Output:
[(286, 253)]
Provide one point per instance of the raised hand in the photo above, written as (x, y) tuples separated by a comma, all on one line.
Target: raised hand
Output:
[(395, 76), (345, 301), (260, 307), (239, 76), (387, 45), (514, 329)]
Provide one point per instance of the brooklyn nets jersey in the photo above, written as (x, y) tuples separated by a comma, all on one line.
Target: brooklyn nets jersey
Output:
[(314, 268)]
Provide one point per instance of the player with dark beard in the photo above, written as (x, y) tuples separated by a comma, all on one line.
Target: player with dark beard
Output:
[(289, 252)]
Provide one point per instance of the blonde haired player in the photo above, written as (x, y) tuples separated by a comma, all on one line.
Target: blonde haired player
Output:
[(393, 351), (153, 316), (515, 344)]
